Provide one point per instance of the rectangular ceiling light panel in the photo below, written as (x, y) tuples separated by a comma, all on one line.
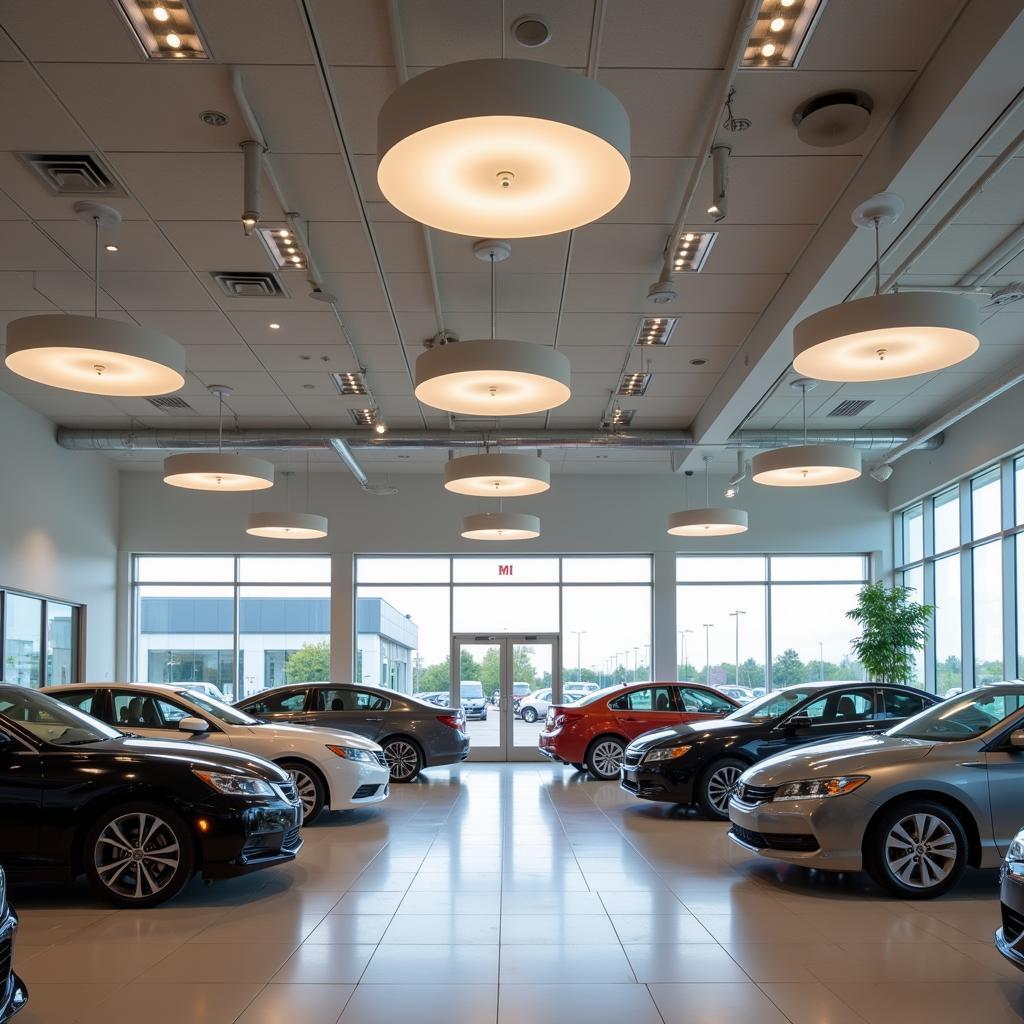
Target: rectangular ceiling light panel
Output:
[(692, 251), (622, 417), (781, 32), (655, 330), (284, 248), (165, 29), (350, 383), (363, 417), (633, 384)]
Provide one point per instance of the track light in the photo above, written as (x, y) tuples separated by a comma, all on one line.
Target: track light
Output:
[(720, 182), (252, 156), (880, 473)]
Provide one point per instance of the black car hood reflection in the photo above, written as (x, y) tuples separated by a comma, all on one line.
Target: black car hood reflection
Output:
[(696, 730)]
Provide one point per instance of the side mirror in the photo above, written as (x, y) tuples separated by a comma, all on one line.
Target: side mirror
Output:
[(1017, 739), (799, 722), (193, 725), (5, 740)]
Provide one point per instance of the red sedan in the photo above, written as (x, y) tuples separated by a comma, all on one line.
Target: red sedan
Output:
[(593, 733)]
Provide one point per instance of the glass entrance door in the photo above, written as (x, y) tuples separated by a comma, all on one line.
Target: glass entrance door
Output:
[(504, 683)]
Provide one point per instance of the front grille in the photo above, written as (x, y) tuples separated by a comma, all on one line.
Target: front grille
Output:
[(291, 839), (381, 759), (795, 842), (1013, 924), (755, 794), (365, 792), (290, 792), (632, 758), (633, 787)]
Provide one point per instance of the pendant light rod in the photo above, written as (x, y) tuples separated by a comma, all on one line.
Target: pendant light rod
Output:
[(492, 295), (96, 268), (878, 257)]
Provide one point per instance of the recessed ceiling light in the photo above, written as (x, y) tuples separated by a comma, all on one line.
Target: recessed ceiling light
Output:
[(692, 251), (283, 246), (634, 384), (111, 248), (655, 330), (503, 149), (777, 41), (350, 383), (511, 475), (274, 326), (165, 30), (364, 417), (698, 362), (622, 417)]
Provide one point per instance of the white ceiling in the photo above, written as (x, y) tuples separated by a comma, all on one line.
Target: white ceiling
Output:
[(76, 82)]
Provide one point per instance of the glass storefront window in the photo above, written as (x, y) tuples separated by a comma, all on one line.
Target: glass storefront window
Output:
[(947, 520), (721, 634), (988, 613), (60, 644), (409, 569), (948, 654), (505, 570), (913, 534), (811, 568), (607, 631), (715, 569), (811, 634), (986, 518), (524, 609), (613, 569), (23, 619), (914, 579)]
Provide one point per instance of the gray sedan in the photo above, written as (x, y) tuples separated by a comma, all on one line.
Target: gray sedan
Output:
[(913, 806), (414, 733)]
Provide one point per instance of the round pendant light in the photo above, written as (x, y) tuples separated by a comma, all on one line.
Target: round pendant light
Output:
[(506, 148), (219, 470), (500, 526), (497, 476), (806, 465), (886, 336), (707, 522), (287, 525), (94, 355)]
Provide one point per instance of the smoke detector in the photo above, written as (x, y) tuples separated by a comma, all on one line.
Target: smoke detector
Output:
[(531, 31), (833, 118)]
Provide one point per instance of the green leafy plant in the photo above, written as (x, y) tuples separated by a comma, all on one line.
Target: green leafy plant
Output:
[(893, 629)]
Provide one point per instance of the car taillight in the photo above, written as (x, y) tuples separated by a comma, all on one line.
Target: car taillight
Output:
[(452, 721)]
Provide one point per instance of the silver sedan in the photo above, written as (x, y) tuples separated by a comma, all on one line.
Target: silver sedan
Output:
[(912, 806)]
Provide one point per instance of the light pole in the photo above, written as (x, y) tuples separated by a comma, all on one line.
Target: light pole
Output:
[(736, 615), (636, 663), (580, 633), (821, 661), (682, 640), (708, 626), (647, 660)]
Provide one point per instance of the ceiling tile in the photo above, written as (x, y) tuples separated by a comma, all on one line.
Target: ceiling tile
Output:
[(355, 32), (545, 255), (299, 328), (317, 185), (202, 358), (141, 245), (361, 92), (216, 245), (91, 27), (305, 358), (522, 293), (253, 31), (191, 327), (244, 383), (25, 247), (668, 34), (36, 122), (705, 293)]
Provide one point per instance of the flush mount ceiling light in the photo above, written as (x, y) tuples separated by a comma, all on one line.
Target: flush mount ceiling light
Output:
[(94, 355), (886, 336), (492, 377), (494, 476), (692, 251), (500, 526), (781, 32), (707, 522), (503, 148), (655, 330), (218, 471), (806, 465), (288, 525), (165, 29)]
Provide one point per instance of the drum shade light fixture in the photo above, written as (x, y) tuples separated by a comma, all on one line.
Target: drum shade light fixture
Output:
[(501, 526), (94, 355), (492, 377), (707, 522), (284, 525), (886, 336), (503, 148), (494, 476), (806, 465), (218, 471)]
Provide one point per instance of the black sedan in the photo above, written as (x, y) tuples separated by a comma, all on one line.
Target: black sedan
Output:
[(138, 817), (1010, 937), (414, 733), (700, 763), (13, 994)]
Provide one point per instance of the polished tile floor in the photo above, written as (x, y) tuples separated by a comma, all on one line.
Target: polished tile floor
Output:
[(519, 894)]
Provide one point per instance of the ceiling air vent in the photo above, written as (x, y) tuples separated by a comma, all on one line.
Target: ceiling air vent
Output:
[(73, 174), (172, 405), (249, 284), (851, 407)]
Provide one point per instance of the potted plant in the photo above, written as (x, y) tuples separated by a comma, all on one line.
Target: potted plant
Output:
[(894, 628)]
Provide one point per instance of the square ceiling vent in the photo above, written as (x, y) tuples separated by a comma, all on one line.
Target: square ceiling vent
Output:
[(73, 174), (249, 284)]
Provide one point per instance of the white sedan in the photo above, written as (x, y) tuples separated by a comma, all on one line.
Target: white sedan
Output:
[(537, 703), (333, 769)]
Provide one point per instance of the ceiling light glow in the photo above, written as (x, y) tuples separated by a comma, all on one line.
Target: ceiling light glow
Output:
[(165, 30), (806, 465), (501, 526), (286, 525), (776, 41), (692, 250), (497, 475)]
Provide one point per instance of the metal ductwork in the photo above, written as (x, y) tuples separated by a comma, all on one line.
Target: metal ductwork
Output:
[(345, 441), (344, 452)]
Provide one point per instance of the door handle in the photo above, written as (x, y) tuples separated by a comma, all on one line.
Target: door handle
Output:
[(973, 764), (378, 719), (632, 719)]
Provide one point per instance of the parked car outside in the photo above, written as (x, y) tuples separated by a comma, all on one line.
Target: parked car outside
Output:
[(474, 703), (593, 732), (439, 698), (740, 694), (413, 733), (1010, 937), (331, 769), (913, 806), (13, 994), (536, 704), (701, 763), (207, 688), (138, 817)]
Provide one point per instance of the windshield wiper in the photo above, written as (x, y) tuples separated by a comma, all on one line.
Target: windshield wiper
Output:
[(78, 743)]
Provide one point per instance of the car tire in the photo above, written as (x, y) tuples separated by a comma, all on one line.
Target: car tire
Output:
[(121, 837), (530, 715), (604, 753), (715, 785), (404, 758), (310, 785), (916, 849)]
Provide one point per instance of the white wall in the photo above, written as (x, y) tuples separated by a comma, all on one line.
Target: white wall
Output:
[(58, 526), (581, 513)]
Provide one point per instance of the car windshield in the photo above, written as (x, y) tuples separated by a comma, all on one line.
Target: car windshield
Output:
[(771, 705), (962, 718), (50, 720), (471, 690), (218, 709)]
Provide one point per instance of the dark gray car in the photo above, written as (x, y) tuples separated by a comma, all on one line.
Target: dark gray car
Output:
[(415, 734)]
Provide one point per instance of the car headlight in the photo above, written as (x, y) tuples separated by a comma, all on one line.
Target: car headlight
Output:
[(665, 754), (351, 753), (1015, 854), (813, 789), (235, 785)]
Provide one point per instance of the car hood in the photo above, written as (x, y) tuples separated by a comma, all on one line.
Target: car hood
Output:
[(473, 700), (311, 734), (853, 756), (708, 729), (189, 756)]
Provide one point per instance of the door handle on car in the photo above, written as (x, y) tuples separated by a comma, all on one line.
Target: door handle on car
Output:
[(377, 719), (973, 764)]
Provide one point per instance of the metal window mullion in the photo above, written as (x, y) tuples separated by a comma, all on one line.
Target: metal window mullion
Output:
[(236, 672), (930, 669), (769, 656)]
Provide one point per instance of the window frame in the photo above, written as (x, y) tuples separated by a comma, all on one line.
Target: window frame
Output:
[(77, 646)]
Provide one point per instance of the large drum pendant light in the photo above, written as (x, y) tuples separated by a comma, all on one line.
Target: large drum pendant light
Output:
[(806, 465), (218, 471), (492, 377), (707, 522), (886, 336), (503, 148), (94, 355), (497, 476), (500, 526), (285, 525)]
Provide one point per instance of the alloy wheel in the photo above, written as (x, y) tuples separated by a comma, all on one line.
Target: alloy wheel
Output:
[(307, 790), (720, 785), (921, 850), (137, 855), (606, 758), (402, 758)]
